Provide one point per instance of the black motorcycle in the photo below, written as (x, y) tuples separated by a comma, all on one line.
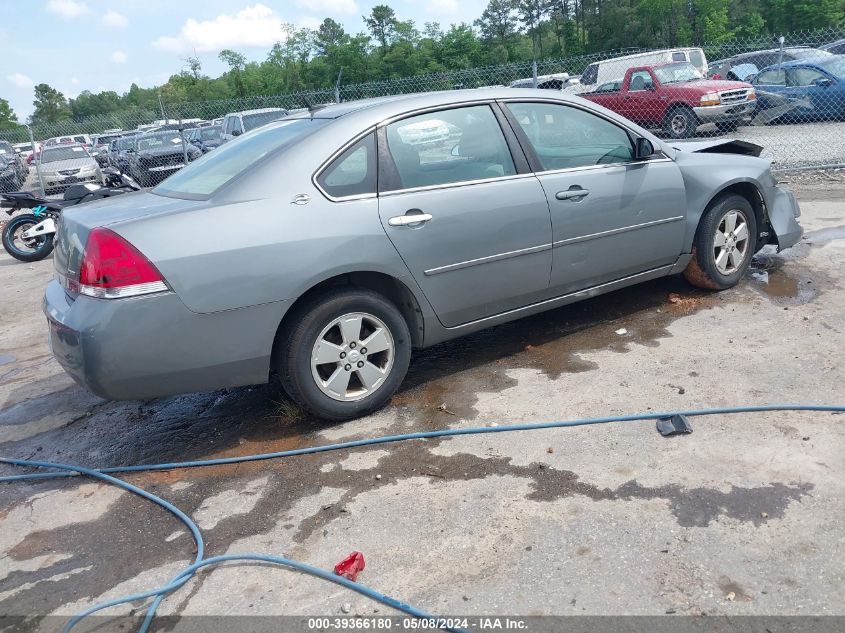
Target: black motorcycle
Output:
[(29, 237)]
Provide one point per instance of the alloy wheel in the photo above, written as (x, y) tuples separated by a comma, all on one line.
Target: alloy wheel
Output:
[(352, 356), (731, 242)]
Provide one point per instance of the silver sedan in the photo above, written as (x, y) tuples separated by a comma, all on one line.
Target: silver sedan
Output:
[(322, 248)]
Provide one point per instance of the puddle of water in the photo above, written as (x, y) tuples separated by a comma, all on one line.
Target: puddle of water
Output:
[(821, 237), (768, 276)]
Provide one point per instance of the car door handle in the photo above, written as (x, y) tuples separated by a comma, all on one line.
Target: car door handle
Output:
[(410, 218), (572, 194)]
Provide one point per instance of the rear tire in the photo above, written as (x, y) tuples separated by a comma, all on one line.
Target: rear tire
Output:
[(42, 246), (680, 122), (351, 380), (724, 244)]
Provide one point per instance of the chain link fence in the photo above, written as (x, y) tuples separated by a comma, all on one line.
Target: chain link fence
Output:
[(786, 94)]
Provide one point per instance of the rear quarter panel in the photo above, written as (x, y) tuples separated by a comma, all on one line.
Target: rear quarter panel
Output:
[(252, 245)]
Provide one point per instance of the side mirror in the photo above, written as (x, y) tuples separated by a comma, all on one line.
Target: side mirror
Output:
[(823, 82), (236, 132), (644, 149)]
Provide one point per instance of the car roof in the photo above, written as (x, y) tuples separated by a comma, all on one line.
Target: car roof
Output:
[(374, 110)]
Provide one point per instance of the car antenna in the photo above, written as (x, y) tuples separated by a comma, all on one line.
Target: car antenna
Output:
[(312, 107)]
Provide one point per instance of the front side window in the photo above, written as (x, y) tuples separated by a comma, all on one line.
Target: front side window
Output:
[(564, 137), (449, 146), (806, 76), (353, 173), (776, 77)]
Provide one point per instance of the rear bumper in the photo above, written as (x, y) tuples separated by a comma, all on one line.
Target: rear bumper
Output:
[(152, 346), (719, 113)]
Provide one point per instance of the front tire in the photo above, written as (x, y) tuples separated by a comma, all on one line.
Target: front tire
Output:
[(345, 355), (32, 250), (724, 244), (680, 122)]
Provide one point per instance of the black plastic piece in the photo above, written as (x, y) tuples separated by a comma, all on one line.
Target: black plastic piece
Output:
[(676, 425)]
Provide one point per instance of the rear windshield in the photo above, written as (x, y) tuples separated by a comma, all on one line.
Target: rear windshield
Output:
[(207, 174), (207, 133), (62, 153), (153, 141), (676, 73), (835, 66)]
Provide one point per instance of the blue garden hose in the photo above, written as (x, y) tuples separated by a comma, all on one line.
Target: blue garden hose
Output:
[(65, 470), (387, 439)]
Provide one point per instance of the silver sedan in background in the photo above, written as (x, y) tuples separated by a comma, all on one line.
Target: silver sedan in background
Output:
[(64, 165), (323, 247)]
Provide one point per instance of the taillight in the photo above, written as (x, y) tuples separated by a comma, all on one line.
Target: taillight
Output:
[(112, 268)]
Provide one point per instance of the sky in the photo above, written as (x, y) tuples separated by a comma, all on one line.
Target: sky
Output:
[(76, 45)]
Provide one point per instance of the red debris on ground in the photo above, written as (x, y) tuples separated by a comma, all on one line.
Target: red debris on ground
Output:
[(350, 566)]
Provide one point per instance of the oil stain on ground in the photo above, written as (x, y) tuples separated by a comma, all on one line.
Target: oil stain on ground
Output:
[(129, 540), (444, 380)]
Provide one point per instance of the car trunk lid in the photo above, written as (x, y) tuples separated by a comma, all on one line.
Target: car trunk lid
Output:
[(76, 224)]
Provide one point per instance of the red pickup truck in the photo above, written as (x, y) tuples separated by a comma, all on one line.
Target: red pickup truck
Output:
[(677, 98)]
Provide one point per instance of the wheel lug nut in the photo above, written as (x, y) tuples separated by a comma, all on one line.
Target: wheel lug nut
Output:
[(352, 345), (348, 367), (360, 363), (343, 354), (363, 350)]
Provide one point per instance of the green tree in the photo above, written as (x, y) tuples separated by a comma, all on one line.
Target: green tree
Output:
[(50, 105), (8, 119), (236, 63), (498, 25), (382, 23)]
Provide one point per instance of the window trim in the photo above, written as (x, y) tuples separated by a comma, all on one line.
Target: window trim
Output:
[(534, 160), (327, 163), (387, 165)]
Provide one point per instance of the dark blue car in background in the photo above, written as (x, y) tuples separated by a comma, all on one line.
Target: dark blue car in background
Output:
[(802, 90)]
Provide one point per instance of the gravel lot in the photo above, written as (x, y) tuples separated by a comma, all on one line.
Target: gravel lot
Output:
[(743, 517)]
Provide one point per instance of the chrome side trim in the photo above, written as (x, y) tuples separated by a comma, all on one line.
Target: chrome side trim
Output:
[(330, 159), (452, 185), (624, 229), (579, 294), (568, 170), (486, 260)]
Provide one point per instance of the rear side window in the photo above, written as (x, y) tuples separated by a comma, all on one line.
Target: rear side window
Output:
[(353, 173), (450, 146), (679, 57), (641, 80), (564, 137)]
